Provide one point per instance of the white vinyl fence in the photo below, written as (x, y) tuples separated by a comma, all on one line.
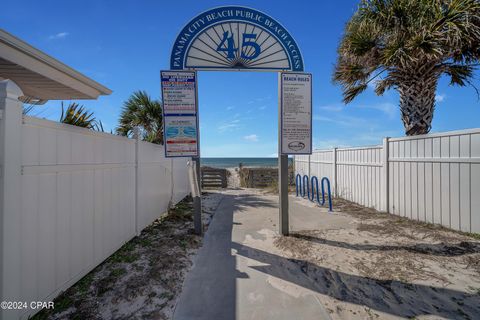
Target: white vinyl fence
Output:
[(432, 178), (82, 195)]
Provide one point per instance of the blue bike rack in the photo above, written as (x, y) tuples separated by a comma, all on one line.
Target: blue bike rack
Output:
[(298, 184), (305, 178), (314, 188), (329, 193), (302, 183)]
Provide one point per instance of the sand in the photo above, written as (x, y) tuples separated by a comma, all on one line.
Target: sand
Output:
[(361, 264), (144, 278), (233, 181), (374, 265)]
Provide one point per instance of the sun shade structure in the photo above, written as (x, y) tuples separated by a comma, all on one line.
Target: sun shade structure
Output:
[(42, 77)]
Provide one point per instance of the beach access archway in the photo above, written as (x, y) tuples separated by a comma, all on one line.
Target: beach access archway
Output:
[(236, 38)]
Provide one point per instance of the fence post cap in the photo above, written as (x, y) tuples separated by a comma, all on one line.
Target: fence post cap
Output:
[(9, 89)]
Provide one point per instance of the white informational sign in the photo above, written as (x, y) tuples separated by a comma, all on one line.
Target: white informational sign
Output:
[(180, 110), (295, 113), (181, 136), (179, 91)]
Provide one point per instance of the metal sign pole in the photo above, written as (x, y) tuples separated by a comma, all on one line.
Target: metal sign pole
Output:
[(182, 108), (197, 200), (283, 185), (282, 170)]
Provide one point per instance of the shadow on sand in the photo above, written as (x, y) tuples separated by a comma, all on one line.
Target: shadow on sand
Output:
[(408, 300), (438, 249), (210, 290)]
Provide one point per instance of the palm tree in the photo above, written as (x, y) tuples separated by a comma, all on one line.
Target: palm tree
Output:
[(77, 115), (144, 113), (407, 45)]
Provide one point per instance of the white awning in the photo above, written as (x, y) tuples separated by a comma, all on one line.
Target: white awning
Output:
[(42, 77)]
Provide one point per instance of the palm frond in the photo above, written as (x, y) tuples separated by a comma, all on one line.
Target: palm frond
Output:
[(351, 92), (459, 74), (383, 85), (402, 36), (140, 111), (76, 115)]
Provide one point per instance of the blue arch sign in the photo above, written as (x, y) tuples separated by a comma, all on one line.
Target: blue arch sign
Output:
[(234, 37)]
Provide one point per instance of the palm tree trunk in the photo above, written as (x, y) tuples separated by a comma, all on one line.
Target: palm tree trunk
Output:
[(417, 102)]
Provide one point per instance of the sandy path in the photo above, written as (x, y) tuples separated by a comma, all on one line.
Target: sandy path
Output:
[(233, 179), (144, 278), (354, 263), (235, 276), (370, 265)]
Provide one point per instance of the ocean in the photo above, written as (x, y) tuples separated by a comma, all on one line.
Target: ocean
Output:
[(246, 162)]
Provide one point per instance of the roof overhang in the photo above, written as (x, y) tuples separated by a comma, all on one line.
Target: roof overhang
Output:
[(42, 77)]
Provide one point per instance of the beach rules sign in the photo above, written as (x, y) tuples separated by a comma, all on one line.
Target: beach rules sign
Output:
[(180, 113), (295, 113)]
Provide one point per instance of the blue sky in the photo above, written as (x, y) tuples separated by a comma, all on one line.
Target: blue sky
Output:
[(124, 45)]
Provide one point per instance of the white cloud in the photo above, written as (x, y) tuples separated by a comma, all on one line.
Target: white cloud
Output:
[(333, 107), (251, 137), (261, 99), (388, 108), (440, 97), (60, 35), (322, 118), (229, 125), (345, 121), (264, 98), (263, 107), (230, 108)]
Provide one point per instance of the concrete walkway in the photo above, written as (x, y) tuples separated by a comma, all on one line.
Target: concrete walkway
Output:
[(239, 273)]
